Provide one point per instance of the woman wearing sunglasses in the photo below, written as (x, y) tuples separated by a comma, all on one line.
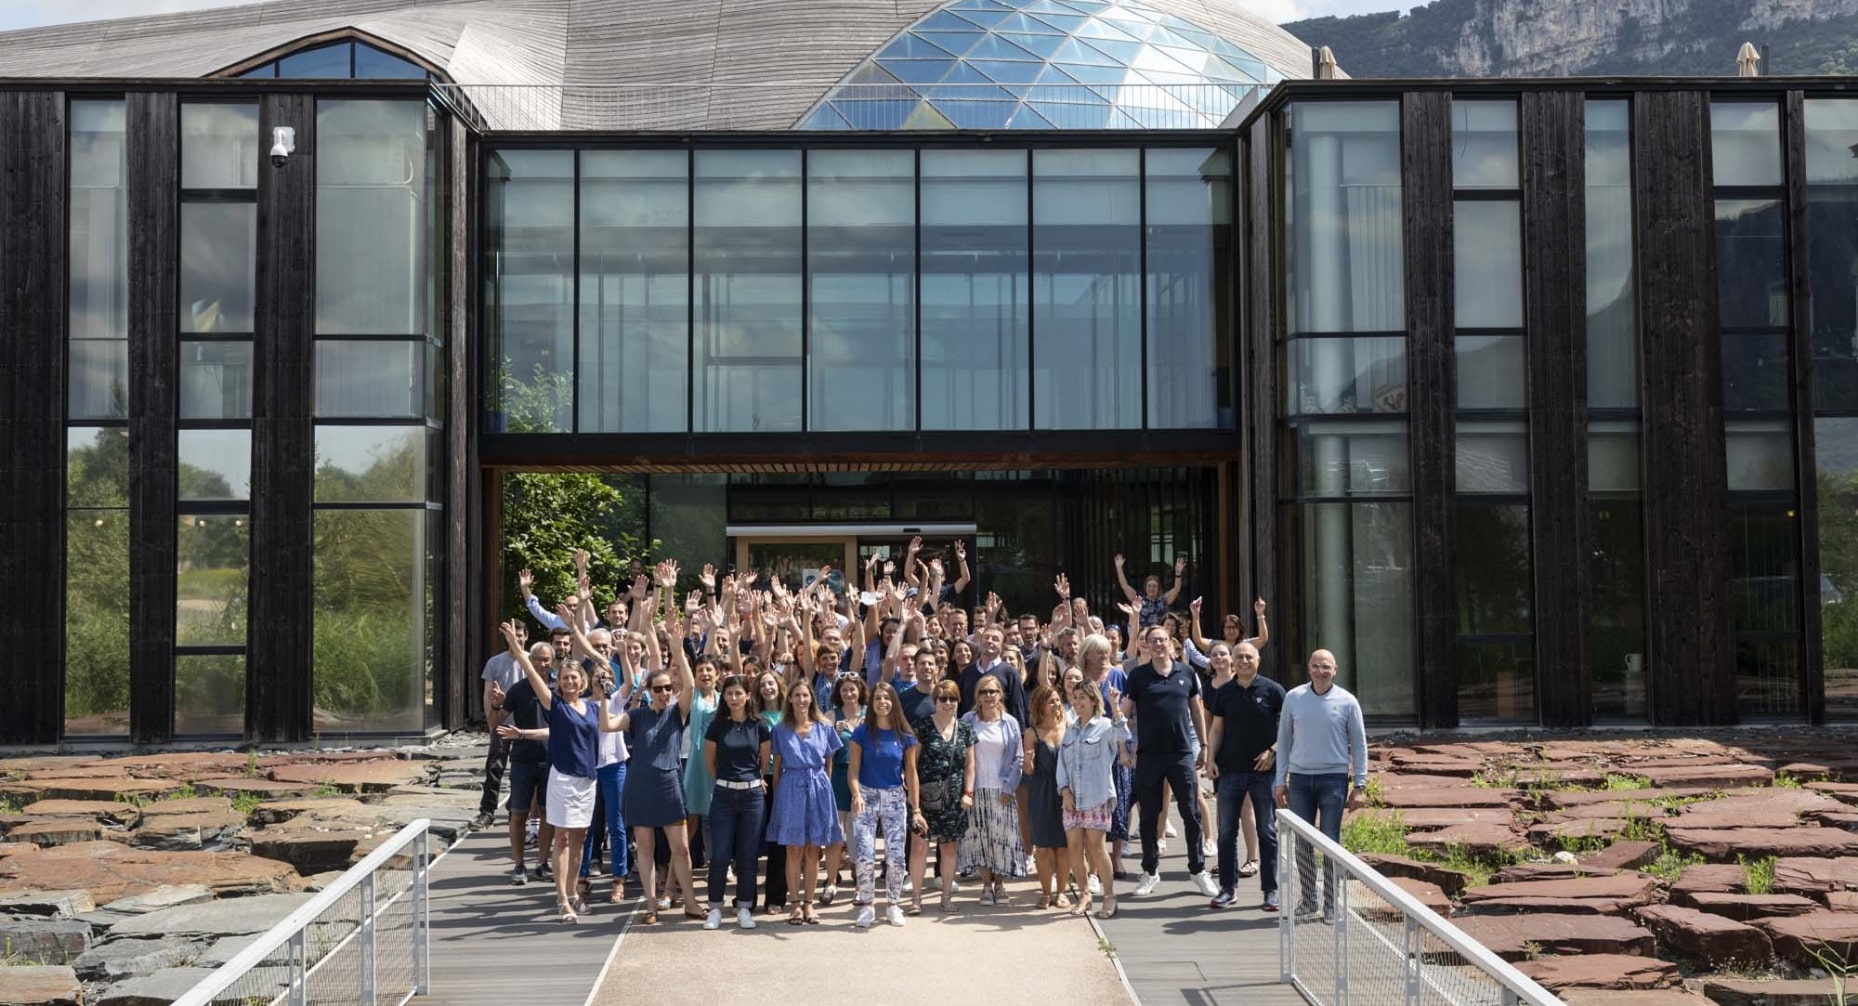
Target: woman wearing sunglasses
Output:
[(993, 846), (945, 786)]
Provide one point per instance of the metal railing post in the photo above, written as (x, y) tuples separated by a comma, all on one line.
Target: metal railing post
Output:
[(1332, 878), (366, 941), (422, 917), (1412, 947), (299, 964), (1286, 914)]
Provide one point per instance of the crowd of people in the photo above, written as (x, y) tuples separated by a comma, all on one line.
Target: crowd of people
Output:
[(770, 731)]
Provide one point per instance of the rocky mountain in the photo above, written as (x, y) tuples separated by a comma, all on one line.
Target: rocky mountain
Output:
[(1527, 38)]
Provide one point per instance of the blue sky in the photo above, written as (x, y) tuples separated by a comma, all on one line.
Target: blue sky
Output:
[(32, 13)]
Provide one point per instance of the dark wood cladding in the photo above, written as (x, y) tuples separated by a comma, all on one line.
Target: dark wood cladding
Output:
[(1692, 662), (278, 685), (460, 434), (1432, 375), (32, 433), (153, 198), (1555, 320), (1261, 395), (1800, 319)]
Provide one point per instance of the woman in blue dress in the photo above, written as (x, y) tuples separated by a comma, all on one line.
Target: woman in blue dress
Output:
[(805, 816)]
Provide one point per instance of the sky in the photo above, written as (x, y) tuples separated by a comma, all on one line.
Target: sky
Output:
[(33, 13)]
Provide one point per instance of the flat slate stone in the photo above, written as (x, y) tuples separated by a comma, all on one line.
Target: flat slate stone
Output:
[(1815, 874), (210, 831), (51, 904), (1632, 997), (51, 831), (1713, 776), (1418, 817), (170, 896), (1795, 992), (1630, 809), (226, 917), (120, 959), (1428, 894), (1516, 937), (1461, 796), (1623, 886), (1842, 901), (1834, 934), (54, 941), (1522, 873), (1748, 907), (1563, 799), (1564, 906), (267, 788), (1483, 840), (1844, 792), (1624, 855), (158, 989), (110, 811), (40, 985), (111, 870), (1558, 832), (374, 776), (1709, 941), (1447, 879), (1721, 878), (1728, 843), (1600, 971)]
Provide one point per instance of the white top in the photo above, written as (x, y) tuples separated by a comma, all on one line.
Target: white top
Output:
[(613, 745), (989, 749)]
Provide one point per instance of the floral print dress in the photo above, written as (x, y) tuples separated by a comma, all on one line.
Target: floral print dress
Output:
[(941, 768)]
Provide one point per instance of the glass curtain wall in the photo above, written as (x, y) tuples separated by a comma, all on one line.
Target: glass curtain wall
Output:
[(1347, 486), (219, 251), (1492, 562), (1832, 235), (379, 518), (847, 289), (1754, 307), (97, 439), (1616, 512)]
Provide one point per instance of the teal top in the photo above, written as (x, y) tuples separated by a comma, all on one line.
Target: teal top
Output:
[(697, 782)]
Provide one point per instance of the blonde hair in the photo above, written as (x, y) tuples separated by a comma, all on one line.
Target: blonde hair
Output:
[(1094, 643)]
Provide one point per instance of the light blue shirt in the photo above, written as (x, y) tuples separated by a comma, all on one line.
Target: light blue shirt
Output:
[(1321, 735)]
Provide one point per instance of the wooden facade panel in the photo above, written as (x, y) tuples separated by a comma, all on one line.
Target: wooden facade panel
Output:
[(1692, 661), (32, 386), (460, 438), (1260, 392), (1432, 375), (278, 686), (1555, 319), (1800, 319), (153, 130)]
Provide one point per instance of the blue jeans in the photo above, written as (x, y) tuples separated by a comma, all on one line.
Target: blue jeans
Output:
[(1318, 799), (736, 818), (611, 779), (1232, 788)]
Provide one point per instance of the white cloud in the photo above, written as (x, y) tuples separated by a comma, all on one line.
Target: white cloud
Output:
[(33, 13)]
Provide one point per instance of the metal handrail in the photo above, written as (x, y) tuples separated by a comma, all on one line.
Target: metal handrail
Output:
[(1518, 987), (290, 930)]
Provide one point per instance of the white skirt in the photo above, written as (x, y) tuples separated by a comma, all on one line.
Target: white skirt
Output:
[(570, 800)]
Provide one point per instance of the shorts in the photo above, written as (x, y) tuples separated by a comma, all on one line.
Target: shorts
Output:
[(570, 802), (528, 786), (1094, 818)]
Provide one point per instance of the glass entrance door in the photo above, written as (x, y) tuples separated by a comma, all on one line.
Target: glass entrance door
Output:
[(892, 548), (796, 562)]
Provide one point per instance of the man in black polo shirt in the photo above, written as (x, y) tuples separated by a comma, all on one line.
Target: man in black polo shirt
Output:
[(1244, 714), (1164, 698), (528, 773)]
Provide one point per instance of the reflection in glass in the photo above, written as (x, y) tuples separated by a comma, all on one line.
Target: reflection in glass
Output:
[(1491, 372), (1745, 143), (861, 271), (1751, 263), (687, 513), (99, 246), (367, 379), (1831, 135), (1484, 145), (212, 552), (1487, 249), (215, 465), (1835, 444), (1352, 459), (975, 289), (370, 464), (1618, 627), (99, 379), (529, 296), (324, 62), (96, 655), (1358, 597), (749, 291), (1832, 237), (1189, 228), (1612, 321), (371, 210), (219, 146), (635, 291), (1755, 373), (1493, 457), (97, 466), (372, 63), (1612, 456), (1767, 679), (1495, 679), (369, 619), (209, 694), (1347, 257), (216, 380), (1493, 578), (1764, 605), (1337, 376), (1760, 455), (1086, 307), (219, 243)]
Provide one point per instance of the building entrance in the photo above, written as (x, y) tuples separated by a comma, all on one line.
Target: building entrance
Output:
[(796, 555)]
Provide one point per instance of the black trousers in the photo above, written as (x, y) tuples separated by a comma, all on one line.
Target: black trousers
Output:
[(1177, 770), (774, 882), (495, 763)]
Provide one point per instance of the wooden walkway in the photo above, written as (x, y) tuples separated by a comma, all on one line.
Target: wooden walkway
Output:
[(494, 944), (1174, 949)]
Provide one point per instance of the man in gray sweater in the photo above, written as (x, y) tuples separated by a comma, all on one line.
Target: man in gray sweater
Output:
[(1322, 746)]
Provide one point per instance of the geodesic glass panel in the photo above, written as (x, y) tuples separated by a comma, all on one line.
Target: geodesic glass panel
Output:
[(1045, 64)]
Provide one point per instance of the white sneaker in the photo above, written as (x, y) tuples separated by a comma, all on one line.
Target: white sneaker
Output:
[(1205, 884), (745, 917), (1096, 886), (714, 920), (954, 888), (895, 915), (1147, 884), (867, 914), (1169, 832)]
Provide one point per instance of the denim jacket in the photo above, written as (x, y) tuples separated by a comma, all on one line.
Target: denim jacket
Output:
[(1012, 761), (1087, 761)]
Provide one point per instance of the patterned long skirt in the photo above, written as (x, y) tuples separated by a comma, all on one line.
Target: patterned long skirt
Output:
[(992, 842), (1124, 778)]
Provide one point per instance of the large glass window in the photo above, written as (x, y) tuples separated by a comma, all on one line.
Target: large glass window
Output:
[(749, 279), (635, 291), (976, 297), (1764, 599), (1832, 233), (371, 612), (370, 216), (211, 554), (1346, 241), (1745, 143), (1487, 250), (96, 669), (529, 309), (1493, 574), (1189, 232), (99, 269), (1836, 446), (1612, 290), (1334, 376), (861, 279), (1086, 289), (337, 60), (1357, 585), (218, 261)]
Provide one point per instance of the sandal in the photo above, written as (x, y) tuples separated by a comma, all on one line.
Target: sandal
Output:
[(619, 893), (1045, 901), (1250, 869), (1081, 908), (916, 907), (1063, 900), (810, 919), (650, 918), (1108, 911), (948, 907), (698, 914), (797, 918)]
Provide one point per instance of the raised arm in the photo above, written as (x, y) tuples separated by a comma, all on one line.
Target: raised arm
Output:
[(680, 665), (1193, 625), (525, 582), (1122, 580), (1180, 567), (1264, 628), (909, 562), (522, 660), (961, 563)]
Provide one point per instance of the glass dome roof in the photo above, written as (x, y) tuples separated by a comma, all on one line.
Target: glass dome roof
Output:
[(1045, 64)]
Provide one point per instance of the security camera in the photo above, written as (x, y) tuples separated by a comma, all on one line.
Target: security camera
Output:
[(283, 144)]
